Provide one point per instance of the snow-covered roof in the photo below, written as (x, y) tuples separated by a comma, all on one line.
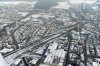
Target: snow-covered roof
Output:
[(49, 58), (2, 62), (95, 64), (1, 26), (34, 61), (17, 61), (53, 47), (5, 50), (44, 65), (36, 15), (23, 13)]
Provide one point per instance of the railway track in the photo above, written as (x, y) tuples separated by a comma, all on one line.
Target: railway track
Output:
[(9, 58)]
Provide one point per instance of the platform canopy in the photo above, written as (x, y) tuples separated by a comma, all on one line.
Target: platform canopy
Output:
[(2, 62)]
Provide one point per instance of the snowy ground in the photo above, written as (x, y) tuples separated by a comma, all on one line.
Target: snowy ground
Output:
[(17, 2), (82, 1)]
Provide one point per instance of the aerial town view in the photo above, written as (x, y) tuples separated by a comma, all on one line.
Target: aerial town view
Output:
[(49, 32)]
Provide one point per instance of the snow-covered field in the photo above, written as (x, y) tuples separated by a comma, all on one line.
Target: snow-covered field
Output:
[(63, 5), (82, 1), (66, 5)]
